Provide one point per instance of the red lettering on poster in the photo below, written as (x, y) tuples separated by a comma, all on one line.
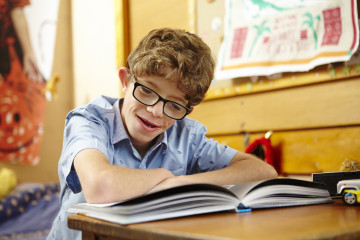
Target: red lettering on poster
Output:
[(333, 29), (285, 22), (238, 42), (303, 34)]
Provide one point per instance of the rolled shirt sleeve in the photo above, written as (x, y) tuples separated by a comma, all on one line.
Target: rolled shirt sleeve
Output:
[(83, 130)]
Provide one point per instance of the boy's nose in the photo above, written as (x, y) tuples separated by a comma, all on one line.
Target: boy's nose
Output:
[(157, 109)]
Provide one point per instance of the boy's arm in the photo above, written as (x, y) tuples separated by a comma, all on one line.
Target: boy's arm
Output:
[(242, 168), (103, 182)]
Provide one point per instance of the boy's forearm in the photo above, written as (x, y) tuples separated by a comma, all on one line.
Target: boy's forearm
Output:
[(243, 168), (121, 183), (102, 182)]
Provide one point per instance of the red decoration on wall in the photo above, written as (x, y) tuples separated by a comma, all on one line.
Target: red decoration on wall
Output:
[(22, 110)]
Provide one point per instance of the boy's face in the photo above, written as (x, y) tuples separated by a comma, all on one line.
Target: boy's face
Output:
[(144, 123)]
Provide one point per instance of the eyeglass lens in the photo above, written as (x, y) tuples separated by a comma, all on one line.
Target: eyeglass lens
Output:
[(148, 97)]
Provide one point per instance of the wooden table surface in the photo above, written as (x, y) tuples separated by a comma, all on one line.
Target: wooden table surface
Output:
[(326, 221)]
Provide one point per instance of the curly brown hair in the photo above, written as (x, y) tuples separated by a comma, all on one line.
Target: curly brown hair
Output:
[(183, 52)]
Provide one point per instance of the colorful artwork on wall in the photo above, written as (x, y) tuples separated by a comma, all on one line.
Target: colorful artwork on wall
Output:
[(286, 36), (23, 77)]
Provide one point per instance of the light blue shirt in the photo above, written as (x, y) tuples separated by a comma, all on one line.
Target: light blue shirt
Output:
[(183, 149)]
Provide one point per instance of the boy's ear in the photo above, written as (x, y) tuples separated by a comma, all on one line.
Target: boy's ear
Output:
[(123, 76), (191, 109)]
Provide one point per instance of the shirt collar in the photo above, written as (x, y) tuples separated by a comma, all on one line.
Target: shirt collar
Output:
[(119, 132)]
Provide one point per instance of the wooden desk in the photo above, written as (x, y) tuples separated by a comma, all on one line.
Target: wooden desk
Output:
[(328, 221)]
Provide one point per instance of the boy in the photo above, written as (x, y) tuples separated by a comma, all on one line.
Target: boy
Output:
[(116, 149)]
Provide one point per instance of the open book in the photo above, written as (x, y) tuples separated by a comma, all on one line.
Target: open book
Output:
[(205, 198)]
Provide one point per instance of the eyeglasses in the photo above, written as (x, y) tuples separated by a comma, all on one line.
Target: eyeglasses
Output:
[(149, 97)]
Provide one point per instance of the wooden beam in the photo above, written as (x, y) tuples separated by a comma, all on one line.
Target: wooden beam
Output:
[(329, 104)]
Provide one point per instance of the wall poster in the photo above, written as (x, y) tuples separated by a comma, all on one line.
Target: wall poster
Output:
[(27, 41), (273, 36)]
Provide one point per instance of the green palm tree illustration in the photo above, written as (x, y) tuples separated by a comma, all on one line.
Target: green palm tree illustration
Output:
[(260, 30), (264, 4), (310, 22)]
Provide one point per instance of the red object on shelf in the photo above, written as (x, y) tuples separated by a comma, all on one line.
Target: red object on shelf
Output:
[(263, 149)]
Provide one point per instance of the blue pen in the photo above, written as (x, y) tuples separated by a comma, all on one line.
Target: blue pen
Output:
[(242, 210)]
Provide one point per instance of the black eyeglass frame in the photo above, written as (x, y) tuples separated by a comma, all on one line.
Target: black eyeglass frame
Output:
[(136, 84)]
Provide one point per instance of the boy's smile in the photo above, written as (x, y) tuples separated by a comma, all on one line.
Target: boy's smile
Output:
[(148, 126), (144, 123)]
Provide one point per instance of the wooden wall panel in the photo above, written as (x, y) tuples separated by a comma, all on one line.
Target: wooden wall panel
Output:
[(329, 104), (235, 141), (148, 15), (319, 150), (316, 126), (307, 151)]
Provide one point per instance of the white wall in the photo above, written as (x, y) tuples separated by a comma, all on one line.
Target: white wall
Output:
[(94, 50)]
